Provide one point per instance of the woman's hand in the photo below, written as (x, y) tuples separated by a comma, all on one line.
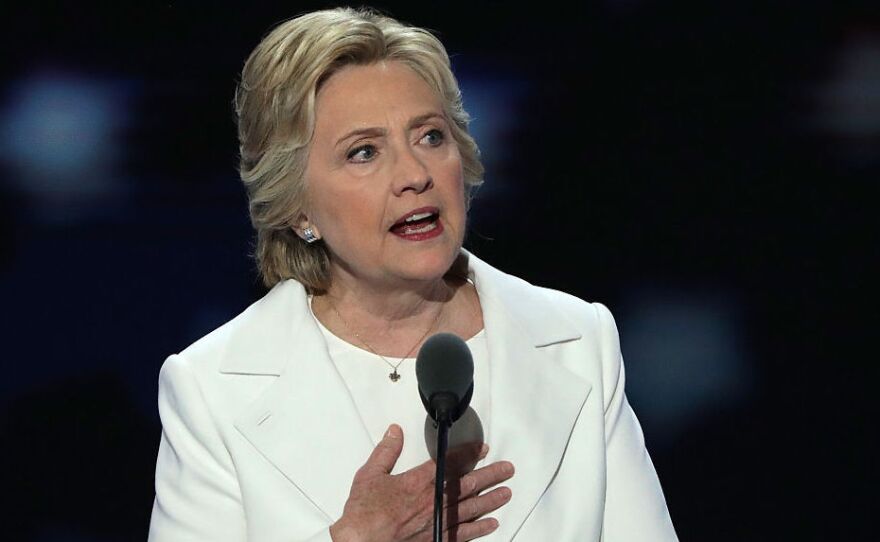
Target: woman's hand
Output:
[(384, 508)]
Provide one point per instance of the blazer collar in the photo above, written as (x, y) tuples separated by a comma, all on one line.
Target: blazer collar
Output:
[(307, 425)]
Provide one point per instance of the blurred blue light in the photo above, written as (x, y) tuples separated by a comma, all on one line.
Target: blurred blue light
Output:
[(60, 134), (493, 103), (684, 359)]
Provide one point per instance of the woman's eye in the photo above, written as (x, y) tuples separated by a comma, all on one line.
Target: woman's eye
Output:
[(434, 137), (363, 153)]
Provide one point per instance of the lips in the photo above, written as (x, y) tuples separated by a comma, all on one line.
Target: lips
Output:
[(418, 224)]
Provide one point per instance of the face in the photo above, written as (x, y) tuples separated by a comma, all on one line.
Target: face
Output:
[(384, 178)]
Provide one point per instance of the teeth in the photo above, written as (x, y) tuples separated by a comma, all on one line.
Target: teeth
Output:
[(423, 229), (419, 216)]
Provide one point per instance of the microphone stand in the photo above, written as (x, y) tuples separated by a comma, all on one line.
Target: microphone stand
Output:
[(445, 405), (443, 425)]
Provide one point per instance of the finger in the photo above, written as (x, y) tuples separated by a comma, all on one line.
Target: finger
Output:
[(480, 505), (385, 454), (485, 477), (472, 529)]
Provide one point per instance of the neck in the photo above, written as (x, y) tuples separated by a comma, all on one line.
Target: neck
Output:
[(390, 306), (393, 319)]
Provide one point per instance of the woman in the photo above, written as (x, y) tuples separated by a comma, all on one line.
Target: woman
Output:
[(299, 419)]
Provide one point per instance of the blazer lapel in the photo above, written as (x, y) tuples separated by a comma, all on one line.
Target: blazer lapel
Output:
[(306, 423), (535, 399)]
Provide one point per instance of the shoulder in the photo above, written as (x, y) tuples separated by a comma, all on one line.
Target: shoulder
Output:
[(593, 313), (213, 378), (591, 316), (545, 307), (249, 342), (593, 319)]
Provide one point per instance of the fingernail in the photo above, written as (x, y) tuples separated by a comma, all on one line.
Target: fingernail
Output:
[(507, 468), (484, 451), (505, 493), (493, 523), (391, 432)]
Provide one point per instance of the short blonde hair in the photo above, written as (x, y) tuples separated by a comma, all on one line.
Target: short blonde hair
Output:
[(275, 105)]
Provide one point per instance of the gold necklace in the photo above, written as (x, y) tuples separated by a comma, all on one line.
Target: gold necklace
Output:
[(394, 376)]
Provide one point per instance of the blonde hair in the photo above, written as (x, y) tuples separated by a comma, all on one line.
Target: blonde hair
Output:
[(275, 105)]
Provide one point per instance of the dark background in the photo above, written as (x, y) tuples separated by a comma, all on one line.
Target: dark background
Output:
[(703, 168)]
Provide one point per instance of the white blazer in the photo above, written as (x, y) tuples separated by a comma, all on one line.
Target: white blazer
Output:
[(261, 438)]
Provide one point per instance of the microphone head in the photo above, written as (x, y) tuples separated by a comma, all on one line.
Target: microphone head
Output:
[(445, 369)]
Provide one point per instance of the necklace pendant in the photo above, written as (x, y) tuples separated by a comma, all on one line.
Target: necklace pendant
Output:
[(394, 376)]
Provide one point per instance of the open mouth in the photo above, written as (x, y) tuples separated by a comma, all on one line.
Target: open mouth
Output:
[(418, 224)]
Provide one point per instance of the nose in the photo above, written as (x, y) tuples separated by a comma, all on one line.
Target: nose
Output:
[(411, 173)]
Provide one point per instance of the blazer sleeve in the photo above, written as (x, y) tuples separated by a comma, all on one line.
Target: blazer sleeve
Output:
[(197, 493), (635, 508)]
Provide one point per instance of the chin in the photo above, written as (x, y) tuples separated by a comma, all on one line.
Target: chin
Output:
[(431, 264)]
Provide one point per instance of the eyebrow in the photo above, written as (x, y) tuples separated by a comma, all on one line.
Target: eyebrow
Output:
[(377, 131)]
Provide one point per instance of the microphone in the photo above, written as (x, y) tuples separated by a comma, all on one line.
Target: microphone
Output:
[(445, 374)]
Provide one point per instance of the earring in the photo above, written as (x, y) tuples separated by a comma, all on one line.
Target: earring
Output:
[(309, 235)]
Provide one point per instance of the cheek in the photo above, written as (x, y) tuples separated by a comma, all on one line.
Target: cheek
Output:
[(455, 174), (456, 207), (347, 218)]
